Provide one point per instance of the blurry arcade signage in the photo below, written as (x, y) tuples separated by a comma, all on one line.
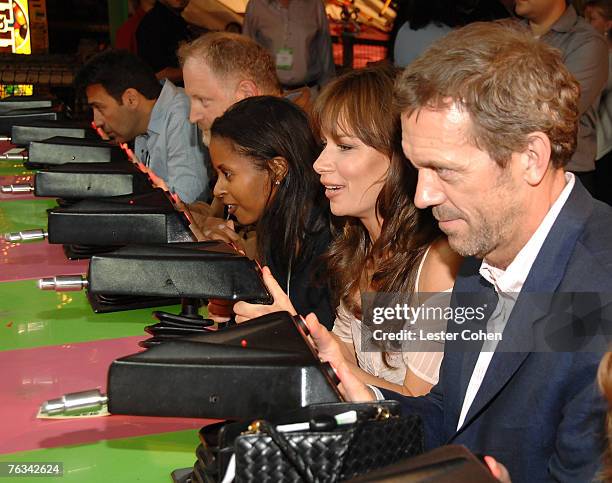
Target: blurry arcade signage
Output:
[(14, 27)]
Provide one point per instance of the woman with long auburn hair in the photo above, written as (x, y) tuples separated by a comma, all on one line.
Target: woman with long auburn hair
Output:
[(385, 245)]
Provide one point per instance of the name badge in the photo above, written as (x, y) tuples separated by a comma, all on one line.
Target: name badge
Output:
[(284, 59)]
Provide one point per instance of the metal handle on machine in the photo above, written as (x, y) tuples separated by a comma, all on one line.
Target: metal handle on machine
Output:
[(26, 235), (17, 188), (74, 403), (63, 283), (14, 157)]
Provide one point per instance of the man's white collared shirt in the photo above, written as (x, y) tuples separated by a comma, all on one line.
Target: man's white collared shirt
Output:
[(508, 284)]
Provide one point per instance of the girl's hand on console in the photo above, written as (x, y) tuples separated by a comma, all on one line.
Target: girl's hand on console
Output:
[(245, 311), (220, 310), (221, 230), (198, 211)]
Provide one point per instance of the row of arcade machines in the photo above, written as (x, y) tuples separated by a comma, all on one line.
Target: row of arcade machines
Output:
[(110, 212)]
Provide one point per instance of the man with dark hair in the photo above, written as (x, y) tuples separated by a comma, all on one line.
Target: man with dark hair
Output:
[(129, 104)]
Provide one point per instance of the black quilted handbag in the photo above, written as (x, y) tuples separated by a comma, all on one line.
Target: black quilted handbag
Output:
[(324, 453)]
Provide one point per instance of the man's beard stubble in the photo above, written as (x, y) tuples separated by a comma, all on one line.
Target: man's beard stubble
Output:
[(483, 234)]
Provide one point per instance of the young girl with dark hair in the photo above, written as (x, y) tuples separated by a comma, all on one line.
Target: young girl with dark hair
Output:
[(386, 245), (263, 149)]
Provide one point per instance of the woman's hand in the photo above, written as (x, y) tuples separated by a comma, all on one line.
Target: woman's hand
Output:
[(206, 227), (221, 230), (199, 212), (327, 345), (196, 213), (245, 311), (329, 350)]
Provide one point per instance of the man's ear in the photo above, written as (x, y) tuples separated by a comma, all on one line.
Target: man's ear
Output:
[(131, 98), (246, 88), (536, 158), (279, 168)]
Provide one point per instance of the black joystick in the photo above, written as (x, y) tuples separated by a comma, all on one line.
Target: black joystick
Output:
[(189, 314), (188, 322)]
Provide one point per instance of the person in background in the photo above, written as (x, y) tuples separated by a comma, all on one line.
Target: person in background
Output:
[(296, 33), (125, 37), (385, 245), (159, 34), (262, 149), (585, 53), (420, 23), (130, 104), (220, 69), (599, 14)]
